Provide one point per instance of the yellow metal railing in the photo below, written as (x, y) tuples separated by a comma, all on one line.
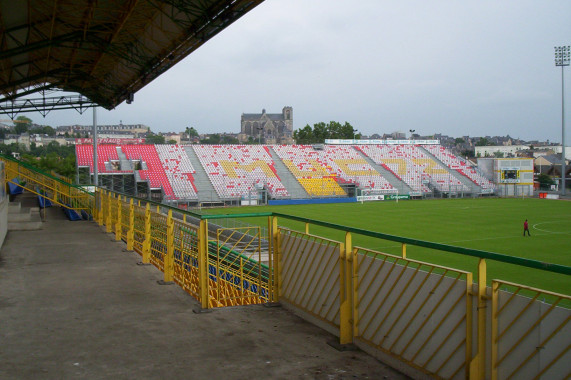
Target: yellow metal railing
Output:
[(443, 322), (528, 335), (218, 271), (49, 187), (440, 321), (403, 305), (309, 274)]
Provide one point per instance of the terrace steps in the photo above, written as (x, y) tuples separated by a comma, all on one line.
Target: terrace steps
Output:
[(292, 185), (24, 218), (402, 187), (204, 188), (463, 179)]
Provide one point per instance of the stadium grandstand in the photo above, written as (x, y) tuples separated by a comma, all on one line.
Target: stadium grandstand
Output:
[(231, 174), (442, 315)]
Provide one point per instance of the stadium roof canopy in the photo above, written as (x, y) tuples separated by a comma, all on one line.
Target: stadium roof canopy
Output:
[(102, 50)]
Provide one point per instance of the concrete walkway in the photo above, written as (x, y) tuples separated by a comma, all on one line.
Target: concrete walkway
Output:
[(74, 305)]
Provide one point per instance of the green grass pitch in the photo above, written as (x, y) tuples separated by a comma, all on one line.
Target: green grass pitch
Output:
[(491, 224)]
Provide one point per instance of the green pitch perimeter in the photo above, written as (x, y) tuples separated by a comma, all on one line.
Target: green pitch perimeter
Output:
[(494, 225)]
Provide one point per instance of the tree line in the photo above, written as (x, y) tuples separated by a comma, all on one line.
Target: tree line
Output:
[(322, 131), (49, 157)]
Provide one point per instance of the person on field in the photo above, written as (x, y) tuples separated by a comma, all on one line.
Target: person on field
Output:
[(526, 228)]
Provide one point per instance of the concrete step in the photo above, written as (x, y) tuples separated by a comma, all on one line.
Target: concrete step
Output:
[(14, 207), (25, 226), (28, 219), (24, 215)]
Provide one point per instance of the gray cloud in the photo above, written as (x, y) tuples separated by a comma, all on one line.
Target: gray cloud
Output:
[(456, 67)]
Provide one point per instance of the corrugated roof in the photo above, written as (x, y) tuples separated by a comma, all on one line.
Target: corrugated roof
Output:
[(106, 50)]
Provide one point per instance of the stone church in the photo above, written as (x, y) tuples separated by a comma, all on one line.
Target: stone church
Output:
[(270, 128)]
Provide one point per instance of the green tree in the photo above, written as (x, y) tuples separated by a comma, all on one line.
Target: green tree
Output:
[(155, 139), (322, 132), (467, 153), (212, 139), (47, 130), (22, 125), (191, 132), (171, 142), (483, 142), (229, 140), (545, 181), (304, 135), (459, 140)]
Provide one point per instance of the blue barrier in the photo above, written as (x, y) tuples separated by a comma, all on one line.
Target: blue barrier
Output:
[(15, 188), (283, 202)]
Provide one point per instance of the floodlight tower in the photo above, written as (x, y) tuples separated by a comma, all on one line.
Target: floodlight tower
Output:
[(562, 58)]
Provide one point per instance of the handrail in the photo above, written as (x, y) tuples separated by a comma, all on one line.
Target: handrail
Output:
[(530, 263), (550, 267), (535, 264), (39, 171)]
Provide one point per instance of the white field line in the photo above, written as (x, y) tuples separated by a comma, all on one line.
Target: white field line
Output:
[(480, 239), (549, 232)]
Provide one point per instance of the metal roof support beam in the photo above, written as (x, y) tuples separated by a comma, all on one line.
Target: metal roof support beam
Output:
[(104, 49), (46, 105)]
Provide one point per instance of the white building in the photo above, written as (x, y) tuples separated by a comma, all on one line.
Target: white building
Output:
[(488, 151), (559, 148)]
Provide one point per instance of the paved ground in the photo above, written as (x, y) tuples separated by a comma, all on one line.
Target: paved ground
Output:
[(74, 305)]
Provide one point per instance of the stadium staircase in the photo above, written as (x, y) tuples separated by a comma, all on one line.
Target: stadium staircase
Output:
[(463, 179), (292, 185), (401, 187), (124, 163), (24, 214), (204, 188)]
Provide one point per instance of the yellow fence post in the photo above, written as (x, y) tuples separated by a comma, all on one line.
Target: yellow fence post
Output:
[(270, 261), (131, 232), (118, 222), (99, 206), (275, 252), (478, 365), (307, 228), (146, 256), (169, 257), (403, 250), (345, 324), (203, 263), (108, 219)]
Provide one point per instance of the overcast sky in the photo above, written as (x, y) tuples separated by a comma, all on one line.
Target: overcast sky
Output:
[(455, 67)]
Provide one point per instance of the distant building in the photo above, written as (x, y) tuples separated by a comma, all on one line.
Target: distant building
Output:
[(549, 164), (176, 137), (120, 130), (559, 149), (503, 150), (270, 128)]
